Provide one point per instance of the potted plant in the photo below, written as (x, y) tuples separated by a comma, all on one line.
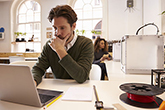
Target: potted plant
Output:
[(82, 32), (77, 32), (163, 13), (18, 34), (98, 33), (23, 38)]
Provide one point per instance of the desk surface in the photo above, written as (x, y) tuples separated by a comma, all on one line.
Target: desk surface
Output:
[(108, 92)]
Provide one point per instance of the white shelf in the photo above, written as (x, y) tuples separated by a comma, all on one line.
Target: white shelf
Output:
[(26, 42)]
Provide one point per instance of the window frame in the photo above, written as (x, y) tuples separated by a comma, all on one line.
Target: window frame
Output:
[(105, 19), (14, 28), (92, 19), (27, 22)]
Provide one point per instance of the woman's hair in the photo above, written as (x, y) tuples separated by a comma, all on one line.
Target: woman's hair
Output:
[(63, 11), (97, 44)]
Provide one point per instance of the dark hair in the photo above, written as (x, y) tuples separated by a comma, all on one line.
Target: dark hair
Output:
[(97, 44), (63, 11)]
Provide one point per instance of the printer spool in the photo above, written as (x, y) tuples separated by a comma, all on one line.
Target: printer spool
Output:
[(141, 95)]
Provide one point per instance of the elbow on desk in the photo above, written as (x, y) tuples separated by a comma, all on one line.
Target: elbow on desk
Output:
[(82, 80), (81, 75)]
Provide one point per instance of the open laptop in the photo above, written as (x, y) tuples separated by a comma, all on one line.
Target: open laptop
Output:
[(17, 85)]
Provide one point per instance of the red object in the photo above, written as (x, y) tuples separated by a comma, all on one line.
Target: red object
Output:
[(142, 99)]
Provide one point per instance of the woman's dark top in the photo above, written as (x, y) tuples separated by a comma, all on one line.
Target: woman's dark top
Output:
[(98, 55)]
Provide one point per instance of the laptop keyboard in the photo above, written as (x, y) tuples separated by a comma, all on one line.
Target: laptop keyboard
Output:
[(45, 98)]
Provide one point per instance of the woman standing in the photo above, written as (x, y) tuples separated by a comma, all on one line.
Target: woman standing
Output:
[(100, 54)]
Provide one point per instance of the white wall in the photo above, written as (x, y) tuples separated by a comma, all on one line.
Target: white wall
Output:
[(46, 6), (120, 22), (151, 14), (5, 23), (125, 22), (163, 16)]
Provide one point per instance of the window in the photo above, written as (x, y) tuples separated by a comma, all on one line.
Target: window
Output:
[(89, 14), (29, 22)]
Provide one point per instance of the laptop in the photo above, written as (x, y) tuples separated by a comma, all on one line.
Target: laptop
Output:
[(17, 85)]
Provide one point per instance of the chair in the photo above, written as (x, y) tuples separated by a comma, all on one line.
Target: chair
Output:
[(95, 72), (28, 63), (16, 58)]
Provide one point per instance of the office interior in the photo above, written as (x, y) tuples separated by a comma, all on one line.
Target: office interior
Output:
[(118, 20)]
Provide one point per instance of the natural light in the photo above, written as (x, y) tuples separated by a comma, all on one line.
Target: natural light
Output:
[(29, 23), (89, 15)]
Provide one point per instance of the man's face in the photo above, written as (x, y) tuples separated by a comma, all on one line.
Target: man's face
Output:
[(62, 27)]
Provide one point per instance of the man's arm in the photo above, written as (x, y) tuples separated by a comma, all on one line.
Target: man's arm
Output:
[(79, 70), (42, 64)]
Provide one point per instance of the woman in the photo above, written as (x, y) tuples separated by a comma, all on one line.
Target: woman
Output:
[(100, 54)]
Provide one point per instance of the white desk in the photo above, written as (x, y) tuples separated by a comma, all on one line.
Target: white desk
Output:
[(115, 73), (108, 92)]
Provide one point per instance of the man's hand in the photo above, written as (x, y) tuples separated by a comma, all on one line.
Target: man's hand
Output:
[(59, 44)]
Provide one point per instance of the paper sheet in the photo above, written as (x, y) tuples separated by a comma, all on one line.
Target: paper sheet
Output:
[(78, 94)]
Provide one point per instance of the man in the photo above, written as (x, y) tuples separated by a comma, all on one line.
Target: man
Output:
[(69, 56)]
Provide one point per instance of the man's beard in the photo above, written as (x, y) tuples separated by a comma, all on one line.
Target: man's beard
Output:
[(72, 33), (59, 36)]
